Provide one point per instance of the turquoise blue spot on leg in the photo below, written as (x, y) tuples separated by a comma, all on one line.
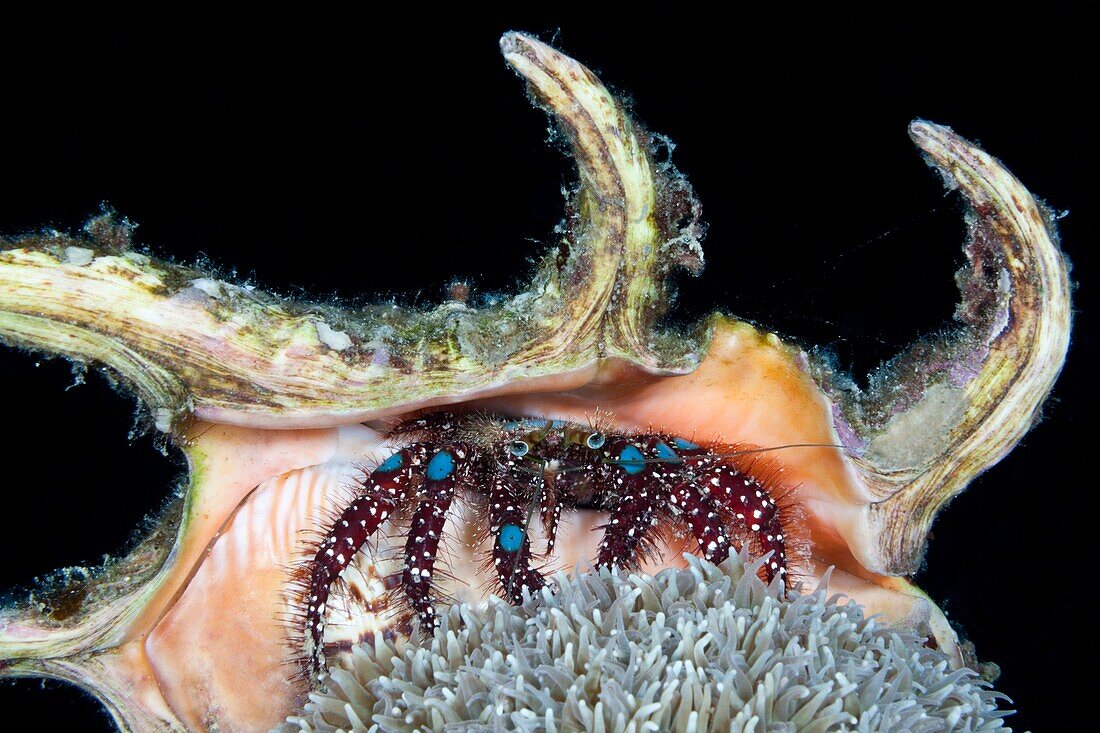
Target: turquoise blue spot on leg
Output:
[(392, 463), (684, 444), (667, 454), (631, 460), (511, 538), (441, 466)]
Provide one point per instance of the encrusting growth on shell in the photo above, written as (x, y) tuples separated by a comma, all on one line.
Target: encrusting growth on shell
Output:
[(191, 344)]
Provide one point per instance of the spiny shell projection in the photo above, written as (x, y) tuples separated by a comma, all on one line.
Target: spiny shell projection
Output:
[(267, 398)]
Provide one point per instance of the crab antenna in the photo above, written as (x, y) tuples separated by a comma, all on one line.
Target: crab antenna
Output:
[(611, 462)]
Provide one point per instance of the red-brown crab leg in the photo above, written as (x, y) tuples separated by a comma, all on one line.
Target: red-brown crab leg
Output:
[(701, 515), (388, 487), (709, 493), (511, 542), (639, 504), (550, 513), (391, 484), (747, 503), (446, 468)]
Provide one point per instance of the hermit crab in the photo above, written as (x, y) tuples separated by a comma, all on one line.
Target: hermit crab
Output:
[(644, 482), (561, 409)]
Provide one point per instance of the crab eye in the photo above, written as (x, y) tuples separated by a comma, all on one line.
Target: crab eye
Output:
[(518, 448), (595, 440)]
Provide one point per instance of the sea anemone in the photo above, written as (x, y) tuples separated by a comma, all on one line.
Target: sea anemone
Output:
[(702, 648)]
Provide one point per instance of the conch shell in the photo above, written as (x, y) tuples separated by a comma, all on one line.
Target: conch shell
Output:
[(273, 402)]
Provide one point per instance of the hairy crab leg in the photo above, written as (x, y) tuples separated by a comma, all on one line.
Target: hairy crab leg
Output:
[(700, 513), (638, 504), (511, 541), (750, 508), (550, 513), (387, 488), (426, 530), (712, 496)]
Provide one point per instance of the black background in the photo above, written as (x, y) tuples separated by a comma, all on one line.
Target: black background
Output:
[(378, 159)]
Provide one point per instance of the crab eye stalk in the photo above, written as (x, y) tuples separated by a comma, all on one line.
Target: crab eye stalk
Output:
[(595, 440), (519, 448)]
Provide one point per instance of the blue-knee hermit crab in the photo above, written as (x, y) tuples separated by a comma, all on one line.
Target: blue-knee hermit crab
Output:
[(647, 483), (287, 410)]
